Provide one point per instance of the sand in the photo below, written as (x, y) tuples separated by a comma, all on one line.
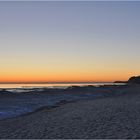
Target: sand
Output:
[(111, 117)]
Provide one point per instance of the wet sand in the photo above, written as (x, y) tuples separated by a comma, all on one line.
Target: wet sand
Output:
[(111, 117)]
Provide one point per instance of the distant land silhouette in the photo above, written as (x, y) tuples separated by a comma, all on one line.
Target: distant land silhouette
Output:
[(131, 80), (134, 80)]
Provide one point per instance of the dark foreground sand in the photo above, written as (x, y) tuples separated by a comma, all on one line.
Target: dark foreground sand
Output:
[(110, 117)]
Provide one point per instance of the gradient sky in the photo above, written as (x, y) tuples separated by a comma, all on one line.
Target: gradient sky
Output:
[(69, 41)]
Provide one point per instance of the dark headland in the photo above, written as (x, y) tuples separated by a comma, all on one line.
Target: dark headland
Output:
[(131, 80), (134, 80)]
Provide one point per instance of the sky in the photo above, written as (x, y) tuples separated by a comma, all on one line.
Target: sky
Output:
[(69, 41)]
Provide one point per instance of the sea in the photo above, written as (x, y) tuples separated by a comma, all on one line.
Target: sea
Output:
[(18, 87), (18, 102)]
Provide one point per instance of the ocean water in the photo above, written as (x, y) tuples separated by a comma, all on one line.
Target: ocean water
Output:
[(30, 87), (22, 103), (58, 85)]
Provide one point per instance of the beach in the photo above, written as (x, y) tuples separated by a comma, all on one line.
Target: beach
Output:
[(69, 69), (114, 117)]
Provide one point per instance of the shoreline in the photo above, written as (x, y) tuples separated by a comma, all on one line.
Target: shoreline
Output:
[(50, 108), (48, 97), (64, 102), (102, 91)]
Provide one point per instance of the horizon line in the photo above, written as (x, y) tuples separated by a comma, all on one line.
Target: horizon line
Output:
[(57, 82)]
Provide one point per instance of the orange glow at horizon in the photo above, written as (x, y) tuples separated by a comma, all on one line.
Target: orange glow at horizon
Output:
[(61, 77), (64, 71)]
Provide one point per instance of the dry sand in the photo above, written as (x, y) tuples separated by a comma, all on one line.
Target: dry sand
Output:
[(110, 117)]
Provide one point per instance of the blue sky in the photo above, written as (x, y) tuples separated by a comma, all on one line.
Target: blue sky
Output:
[(91, 38)]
